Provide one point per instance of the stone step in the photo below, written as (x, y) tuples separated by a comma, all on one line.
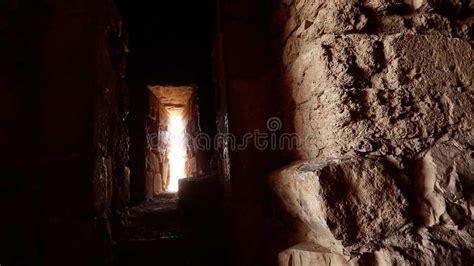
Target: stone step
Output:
[(175, 230)]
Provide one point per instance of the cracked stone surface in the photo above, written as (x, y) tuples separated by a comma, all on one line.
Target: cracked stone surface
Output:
[(383, 96)]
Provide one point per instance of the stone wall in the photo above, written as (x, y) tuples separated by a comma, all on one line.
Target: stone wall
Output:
[(246, 80), (64, 143), (382, 101)]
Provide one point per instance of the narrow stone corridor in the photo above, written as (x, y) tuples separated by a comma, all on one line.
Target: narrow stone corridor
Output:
[(236, 132)]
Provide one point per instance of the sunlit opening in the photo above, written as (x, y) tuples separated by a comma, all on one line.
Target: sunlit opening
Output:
[(177, 151)]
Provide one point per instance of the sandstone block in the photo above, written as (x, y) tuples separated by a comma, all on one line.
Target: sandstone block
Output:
[(353, 200)]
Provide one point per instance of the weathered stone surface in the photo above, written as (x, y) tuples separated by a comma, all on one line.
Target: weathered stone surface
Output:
[(386, 5), (342, 199), (339, 17), (357, 211), (311, 254), (387, 87), (445, 61), (299, 194), (355, 205), (363, 88), (445, 183)]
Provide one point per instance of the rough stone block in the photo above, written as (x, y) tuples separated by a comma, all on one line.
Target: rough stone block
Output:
[(309, 254), (357, 88), (352, 200), (198, 194), (428, 60), (445, 177)]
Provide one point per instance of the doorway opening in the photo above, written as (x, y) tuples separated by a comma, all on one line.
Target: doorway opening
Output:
[(176, 151), (171, 127)]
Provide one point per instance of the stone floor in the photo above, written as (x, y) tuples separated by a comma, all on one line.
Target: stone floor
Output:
[(160, 232)]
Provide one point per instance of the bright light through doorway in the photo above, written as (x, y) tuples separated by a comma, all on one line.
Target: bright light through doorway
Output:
[(177, 151)]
